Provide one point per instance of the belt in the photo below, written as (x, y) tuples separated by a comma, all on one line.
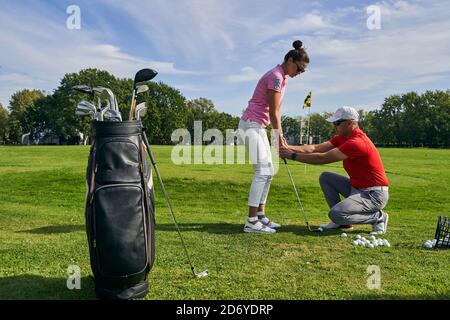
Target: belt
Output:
[(379, 188)]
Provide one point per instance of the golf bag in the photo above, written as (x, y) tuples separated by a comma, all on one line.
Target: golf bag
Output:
[(120, 211)]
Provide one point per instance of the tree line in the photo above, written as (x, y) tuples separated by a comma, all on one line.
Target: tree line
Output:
[(407, 120)]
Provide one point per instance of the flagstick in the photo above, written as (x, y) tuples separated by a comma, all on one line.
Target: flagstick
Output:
[(307, 137)]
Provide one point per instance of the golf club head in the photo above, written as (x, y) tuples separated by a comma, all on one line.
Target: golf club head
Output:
[(80, 112), (86, 105), (141, 88), (141, 113), (139, 109), (83, 89), (112, 115), (202, 274), (144, 75)]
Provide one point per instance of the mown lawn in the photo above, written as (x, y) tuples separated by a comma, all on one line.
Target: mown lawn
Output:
[(42, 192)]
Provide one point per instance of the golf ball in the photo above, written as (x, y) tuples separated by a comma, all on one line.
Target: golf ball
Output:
[(363, 239), (344, 235), (372, 238), (320, 229), (358, 237), (355, 243), (428, 245), (371, 246)]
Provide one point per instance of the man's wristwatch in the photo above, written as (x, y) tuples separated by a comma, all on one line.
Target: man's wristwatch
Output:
[(294, 156)]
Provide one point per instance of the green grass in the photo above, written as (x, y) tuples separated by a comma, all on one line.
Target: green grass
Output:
[(42, 193)]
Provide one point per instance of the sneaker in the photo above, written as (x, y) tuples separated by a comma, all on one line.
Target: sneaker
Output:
[(380, 227), (332, 225), (258, 227), (266, 221)]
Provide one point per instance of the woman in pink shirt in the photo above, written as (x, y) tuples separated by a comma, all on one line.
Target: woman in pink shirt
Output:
[(264, 108)]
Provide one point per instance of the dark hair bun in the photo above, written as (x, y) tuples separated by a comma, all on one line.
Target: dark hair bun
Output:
[(297, 44)]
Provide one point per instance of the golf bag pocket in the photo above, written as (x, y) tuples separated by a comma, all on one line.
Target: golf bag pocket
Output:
[(119, 163), (121, 240)]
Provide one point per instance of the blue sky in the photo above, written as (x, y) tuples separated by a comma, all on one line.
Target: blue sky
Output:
[(218, 49)]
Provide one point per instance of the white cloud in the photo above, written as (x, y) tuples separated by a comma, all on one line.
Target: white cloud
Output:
[(43, 50), (247, 74)]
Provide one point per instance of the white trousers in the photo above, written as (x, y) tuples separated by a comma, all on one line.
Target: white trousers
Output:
[(257, 145)]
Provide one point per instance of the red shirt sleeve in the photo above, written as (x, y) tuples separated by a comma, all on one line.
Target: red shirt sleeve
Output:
[(336, 141), (354, 148)]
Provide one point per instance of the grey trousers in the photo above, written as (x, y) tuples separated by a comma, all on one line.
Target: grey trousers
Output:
[(358, 207)]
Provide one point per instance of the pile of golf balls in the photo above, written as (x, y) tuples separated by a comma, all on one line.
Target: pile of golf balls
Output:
[(429, 244), (372, 242)]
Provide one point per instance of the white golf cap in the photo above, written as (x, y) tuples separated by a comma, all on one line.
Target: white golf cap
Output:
[(346, 113)]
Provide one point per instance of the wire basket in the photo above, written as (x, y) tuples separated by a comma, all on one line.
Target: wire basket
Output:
[(442, 235)]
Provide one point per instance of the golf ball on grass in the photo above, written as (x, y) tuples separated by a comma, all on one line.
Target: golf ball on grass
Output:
[(429, 244), (344, 235)]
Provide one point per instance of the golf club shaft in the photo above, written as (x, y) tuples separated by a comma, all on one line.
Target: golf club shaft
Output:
[(296, 193), (169, 204), (133, 103)]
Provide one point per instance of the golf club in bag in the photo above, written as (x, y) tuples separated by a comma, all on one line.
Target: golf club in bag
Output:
[(120, 211)]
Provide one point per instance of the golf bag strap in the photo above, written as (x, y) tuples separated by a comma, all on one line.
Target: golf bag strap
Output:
[(94, 169), (146, 196)]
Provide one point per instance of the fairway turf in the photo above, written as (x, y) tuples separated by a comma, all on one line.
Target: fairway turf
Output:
[(42, 231)]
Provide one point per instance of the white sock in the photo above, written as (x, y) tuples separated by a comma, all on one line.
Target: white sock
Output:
[(261, 213), (252, 219)]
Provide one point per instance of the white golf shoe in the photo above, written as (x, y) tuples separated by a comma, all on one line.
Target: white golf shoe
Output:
[(381, 226), (268, 223), (258, 227)]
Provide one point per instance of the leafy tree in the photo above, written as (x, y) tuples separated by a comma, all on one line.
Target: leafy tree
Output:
[(21, 104), (167, 111), (4, 125)]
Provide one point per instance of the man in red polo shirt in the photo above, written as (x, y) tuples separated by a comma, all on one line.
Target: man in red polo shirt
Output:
[(366, 191)]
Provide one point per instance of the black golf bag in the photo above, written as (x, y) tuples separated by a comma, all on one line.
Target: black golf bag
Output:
[(120, 211)]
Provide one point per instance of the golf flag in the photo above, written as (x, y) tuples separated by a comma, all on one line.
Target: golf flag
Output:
[(307, 103)]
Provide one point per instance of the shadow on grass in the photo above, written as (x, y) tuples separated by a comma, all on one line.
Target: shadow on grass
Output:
[(55, 229), (27, 287), (229, 228), (445, 296)]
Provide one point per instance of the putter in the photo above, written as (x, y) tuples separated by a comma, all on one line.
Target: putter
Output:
[(140, 78), (169, 205), (83, 89), (298, 198)]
